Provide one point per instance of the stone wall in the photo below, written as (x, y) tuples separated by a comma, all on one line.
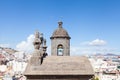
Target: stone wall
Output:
[(59, 77), (64, 41)]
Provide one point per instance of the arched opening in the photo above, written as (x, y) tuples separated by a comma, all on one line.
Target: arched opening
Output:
[(60, 50)]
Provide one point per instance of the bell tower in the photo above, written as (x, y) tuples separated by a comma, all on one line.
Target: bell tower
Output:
[(60, 41)]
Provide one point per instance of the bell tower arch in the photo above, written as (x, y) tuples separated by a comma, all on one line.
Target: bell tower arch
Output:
[(60, 50)]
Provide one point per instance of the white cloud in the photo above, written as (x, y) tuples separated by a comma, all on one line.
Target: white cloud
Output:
[(79, 50), (4, 45), (74, 50), (86, 50), (26, 46), (97, 42), (92, 47), (97, 46)]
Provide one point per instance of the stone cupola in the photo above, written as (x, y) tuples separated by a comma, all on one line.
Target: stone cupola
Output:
[(60, 32), (60, 42)]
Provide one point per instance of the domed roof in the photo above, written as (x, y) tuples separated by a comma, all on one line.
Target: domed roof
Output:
[(60, 32)]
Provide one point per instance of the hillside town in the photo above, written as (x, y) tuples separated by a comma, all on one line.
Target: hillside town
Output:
[(13, 64), (106, 67)]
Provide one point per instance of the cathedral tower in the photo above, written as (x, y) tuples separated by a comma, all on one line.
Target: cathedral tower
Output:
[(60, 42)]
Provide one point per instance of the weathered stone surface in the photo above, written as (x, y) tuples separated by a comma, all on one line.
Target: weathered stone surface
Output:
[(60, 66)]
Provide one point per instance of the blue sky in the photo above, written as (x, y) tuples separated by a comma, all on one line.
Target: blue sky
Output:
[(85, 21)]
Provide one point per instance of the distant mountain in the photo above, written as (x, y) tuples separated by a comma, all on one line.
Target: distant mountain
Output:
[(7, 50), (98, 54), (111, 54), (107, 54)]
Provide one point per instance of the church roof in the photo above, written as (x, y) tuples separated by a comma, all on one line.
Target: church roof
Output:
[(60, 32), (61, 65)]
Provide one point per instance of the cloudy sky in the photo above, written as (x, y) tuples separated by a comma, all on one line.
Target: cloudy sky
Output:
[(94, 25)]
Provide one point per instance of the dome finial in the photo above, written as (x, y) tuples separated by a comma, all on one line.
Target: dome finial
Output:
[(36, 34), (60, 24)]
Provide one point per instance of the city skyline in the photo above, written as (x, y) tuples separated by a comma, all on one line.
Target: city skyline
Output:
[(93, 25)]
